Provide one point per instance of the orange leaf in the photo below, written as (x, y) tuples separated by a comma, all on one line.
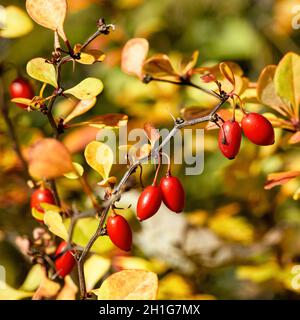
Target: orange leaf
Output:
[(159, 65), (49, 158), (134, 54), (129, 285), (295, 138), (151, 132), (280, 178)]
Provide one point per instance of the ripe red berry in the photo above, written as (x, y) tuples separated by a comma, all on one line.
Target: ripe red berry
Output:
[(258, 129), (21, 88), (64, 263), (173, 194), (230, 136), (41, 195), (149, 202), (119, 232)]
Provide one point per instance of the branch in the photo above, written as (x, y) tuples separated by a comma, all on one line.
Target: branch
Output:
[(116, 195)]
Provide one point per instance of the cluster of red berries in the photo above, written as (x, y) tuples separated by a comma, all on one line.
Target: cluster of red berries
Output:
[(255, 127), (169, 191), (21, 88)]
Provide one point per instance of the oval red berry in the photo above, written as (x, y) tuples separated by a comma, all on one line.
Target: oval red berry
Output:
[(173, 194), (119, 232), (258, 129), (64, 262), (230, 136), (149, 202), (21, 88)]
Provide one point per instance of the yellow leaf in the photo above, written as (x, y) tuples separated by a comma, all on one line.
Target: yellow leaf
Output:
[(107, 182), (78, 171), (37, 214), (46, 289), (69, 290), (25, 101), (86, 89), (49, 14), (9, 293), (80, 108), (49, 158), (259, 273), (16, 23), (94, 269), (133, 56), (129, 285), (100, 157), (33, 278), (174, 286), (55, 224), (232, 228), (42, 71), (89, 56)]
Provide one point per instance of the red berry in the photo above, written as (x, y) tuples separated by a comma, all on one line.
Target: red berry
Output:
[(258, 129), (149, 202), (21, 88), (41, 195), (173, 194), (65, 262), (230, 136), (119, 232)]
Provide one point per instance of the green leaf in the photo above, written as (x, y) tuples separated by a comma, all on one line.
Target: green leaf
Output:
[(100, 157), (287, 80), (55, 224), (75, 175), (42, 71), (86, 89)]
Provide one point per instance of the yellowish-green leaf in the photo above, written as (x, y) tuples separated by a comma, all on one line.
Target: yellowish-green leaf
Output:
[(16, 23), (25, 101), (86, 89), (50, 207), (33, 278), (100, 157), (129, 285), (55, 224), (42, 71), (94, 269), (80, 108), (9, 293), (287, 80), (83, 232), (109, 182), (37, 214), (266, 90), (49, 14), (259, 273), (78, 171)]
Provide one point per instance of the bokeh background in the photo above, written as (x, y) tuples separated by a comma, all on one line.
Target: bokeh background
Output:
[(235, 240)]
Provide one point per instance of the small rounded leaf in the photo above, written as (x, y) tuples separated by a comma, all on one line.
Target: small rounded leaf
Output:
[(129, 285), (134, 54), (55, 224), (49, 158), (86, 89), (49, 14), (42, 71), (100, 157), (16, 22), (80, 108)]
